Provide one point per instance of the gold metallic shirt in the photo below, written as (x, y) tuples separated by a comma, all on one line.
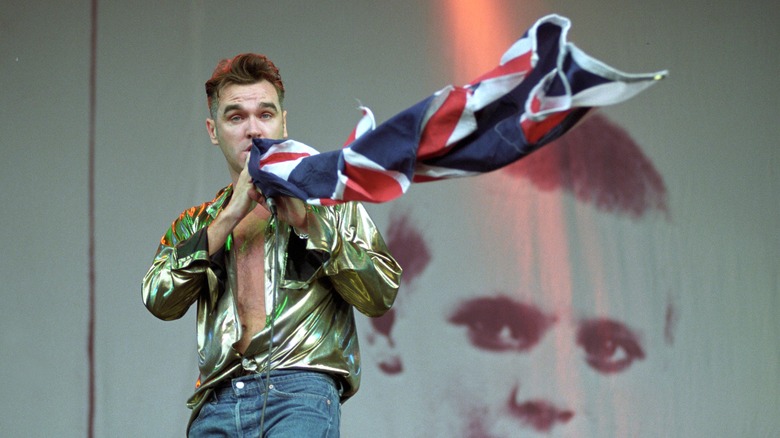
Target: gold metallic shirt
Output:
[(344, 264)]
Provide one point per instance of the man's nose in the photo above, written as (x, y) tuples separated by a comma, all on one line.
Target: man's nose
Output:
[(545, 394), (552, 371), (254, 128)]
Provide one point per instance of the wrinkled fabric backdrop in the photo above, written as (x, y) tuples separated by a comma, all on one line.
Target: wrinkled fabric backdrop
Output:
[(623, 281)]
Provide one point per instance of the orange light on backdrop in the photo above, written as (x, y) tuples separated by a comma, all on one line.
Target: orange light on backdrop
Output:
[(477, 32)]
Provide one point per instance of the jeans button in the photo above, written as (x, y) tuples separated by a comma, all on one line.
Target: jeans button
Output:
[(239, 385)]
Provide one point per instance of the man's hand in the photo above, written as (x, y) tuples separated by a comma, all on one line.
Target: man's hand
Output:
[(244, 199), (292, 211), (245, 195), (289, 210)]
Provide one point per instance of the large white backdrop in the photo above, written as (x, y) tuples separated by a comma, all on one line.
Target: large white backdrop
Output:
[(622, 282)]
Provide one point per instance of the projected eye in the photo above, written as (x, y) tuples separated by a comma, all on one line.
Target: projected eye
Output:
[(610, 347), (500, 323)]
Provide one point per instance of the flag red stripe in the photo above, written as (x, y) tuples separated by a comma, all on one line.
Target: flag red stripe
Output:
[(441, 125), (370, 185), (534, 131), (520, 64), (281, 157)]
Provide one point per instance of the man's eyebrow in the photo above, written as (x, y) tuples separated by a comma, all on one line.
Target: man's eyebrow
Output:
[(261, 105), (604, 323), (503, 300)]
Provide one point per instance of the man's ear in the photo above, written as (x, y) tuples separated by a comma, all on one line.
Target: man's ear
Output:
[(381, 348), (211, 127)]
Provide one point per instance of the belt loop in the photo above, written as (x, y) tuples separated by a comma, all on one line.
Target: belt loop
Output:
[(337, 382)]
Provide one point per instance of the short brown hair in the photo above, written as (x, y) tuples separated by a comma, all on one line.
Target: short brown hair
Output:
[(243, 69)]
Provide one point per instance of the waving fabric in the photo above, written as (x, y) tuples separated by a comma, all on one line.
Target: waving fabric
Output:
[(542, 86)]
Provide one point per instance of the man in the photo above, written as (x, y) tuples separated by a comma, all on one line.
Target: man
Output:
[(544, 315), (294, 278)]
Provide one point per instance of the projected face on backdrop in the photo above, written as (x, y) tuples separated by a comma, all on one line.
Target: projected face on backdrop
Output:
[(527, 312)]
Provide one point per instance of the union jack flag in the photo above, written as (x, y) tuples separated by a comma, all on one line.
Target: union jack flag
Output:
[(542, 86)]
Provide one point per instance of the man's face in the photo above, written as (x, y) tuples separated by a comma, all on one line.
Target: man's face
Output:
[(245, 112), (529, 323)]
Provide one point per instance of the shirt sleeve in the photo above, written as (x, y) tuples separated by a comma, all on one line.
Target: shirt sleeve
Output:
[(359, 264), (181, 270)]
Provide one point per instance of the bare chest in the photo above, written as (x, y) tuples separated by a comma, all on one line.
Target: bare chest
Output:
[(250, 285)]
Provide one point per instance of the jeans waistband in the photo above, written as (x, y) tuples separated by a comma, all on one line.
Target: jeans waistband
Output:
[(247, 376)]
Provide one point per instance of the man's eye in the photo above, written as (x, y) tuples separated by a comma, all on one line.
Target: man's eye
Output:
[(500, 323), (610, 346)]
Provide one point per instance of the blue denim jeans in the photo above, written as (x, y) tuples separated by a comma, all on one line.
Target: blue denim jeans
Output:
[(301, 404)]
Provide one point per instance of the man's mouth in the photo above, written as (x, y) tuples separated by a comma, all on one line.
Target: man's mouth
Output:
[(539, 414)]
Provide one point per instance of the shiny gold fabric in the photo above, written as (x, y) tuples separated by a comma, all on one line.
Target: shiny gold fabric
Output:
[(345, 264)]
